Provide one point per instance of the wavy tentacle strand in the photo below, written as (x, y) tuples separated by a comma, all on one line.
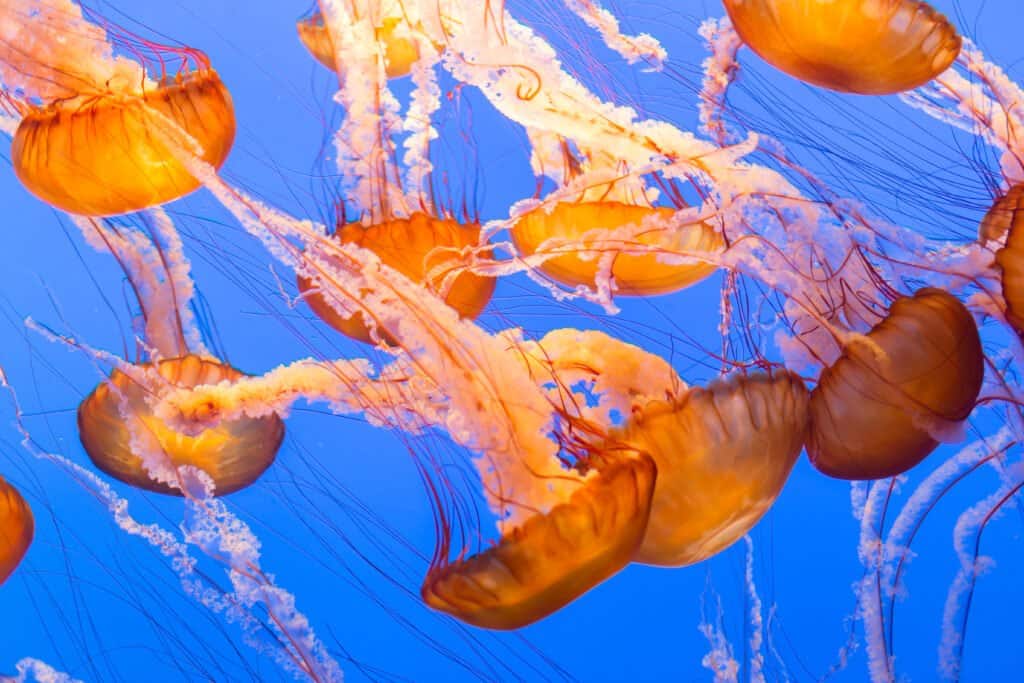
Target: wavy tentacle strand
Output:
[(159, 272), (640, 48)]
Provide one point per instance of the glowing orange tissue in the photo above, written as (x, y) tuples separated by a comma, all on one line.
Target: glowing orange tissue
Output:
[(892, 395), (415, 247), (724, 453), (551, 559), (98, 154), (234, 454), (16, 529), (635, 274), (871, 47)]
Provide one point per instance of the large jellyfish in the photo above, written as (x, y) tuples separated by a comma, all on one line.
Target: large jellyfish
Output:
[(84, 143), (872, 47)]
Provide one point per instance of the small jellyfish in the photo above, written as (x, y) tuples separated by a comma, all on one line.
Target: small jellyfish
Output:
[(1006, 213), (723, 453), (16, 529), (415, 247), (636, 274), (882, 407), (870, 47), (554, 558), (234, 454), (1006, 217), (400, 49)]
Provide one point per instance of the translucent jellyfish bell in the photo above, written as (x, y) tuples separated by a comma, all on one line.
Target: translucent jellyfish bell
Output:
[(871, 47), (234, 454), (636, 274), (17, 528), (553, 558), (413, 246), (882, 406), (724, 453), (97, 156), (1006, 217), (400, 50)]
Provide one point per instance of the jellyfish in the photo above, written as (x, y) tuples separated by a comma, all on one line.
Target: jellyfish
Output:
[(1005, 219), (116, 424), (16, 529), (589, 226), (870, 47), (85, 143), (553, 558), (724, 452), (400, 47), (234, 454), (419, 247), (885, 404)]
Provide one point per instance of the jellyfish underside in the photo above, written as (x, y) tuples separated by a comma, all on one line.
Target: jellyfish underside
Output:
[(552, 558), (400, 52), (723, 453), (414, 247), (98, 154), (870, 47), (635, 274), (234, 454), (17, 528), (1006, 217), (877, 410)]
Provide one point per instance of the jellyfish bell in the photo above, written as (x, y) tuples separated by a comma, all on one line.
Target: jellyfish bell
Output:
[(17, 528), (883, 406), (869, 47), (724, 453), (553, 558), (234, 454), (635, 274), (1005, 213), (419, 247), (89, 139), (1006, 217), (400, 49)]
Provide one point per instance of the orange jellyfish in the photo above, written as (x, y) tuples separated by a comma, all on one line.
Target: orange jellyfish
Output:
[(418, 247), (553, 558), (116, 424), (724, 453), (870, 47), (635, 274), (1006, 217), (400, 49), (610, 220), (16, 529), (86, 141), (881, 408), (234, 454)]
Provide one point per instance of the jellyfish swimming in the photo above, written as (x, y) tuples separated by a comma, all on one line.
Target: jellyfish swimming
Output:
[(234, 454), (1004, 220), (885, 404), (596, 345), (869, 47), (16, 529), (418, 247), (551, 559), (400, 47), (724, 453), (85, 142)]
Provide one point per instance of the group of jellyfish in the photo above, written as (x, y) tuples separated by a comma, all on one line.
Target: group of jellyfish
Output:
[(872, 375)]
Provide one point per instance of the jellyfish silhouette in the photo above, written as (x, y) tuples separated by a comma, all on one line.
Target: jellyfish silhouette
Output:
[(16, 529)]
